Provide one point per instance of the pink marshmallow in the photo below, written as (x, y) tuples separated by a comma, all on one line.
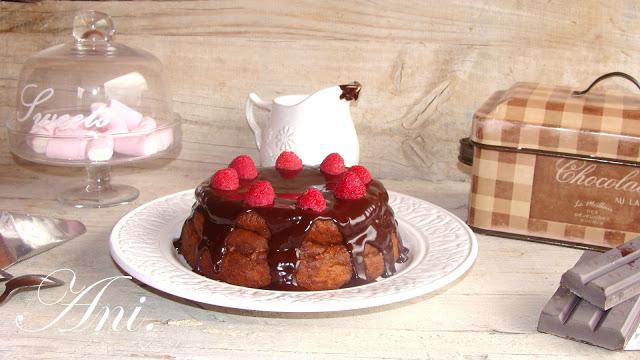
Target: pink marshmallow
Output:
[(116, 125), (144, 144), (131, 117), (66, 147), (100, 148)]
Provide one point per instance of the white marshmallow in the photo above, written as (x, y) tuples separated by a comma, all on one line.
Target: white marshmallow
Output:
[(100, 148), (165, 138), (137, 145), (38, 142)]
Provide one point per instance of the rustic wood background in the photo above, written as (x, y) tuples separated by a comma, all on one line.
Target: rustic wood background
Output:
[(425, 65)]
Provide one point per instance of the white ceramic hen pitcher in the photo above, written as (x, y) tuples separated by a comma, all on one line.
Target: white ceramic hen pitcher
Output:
[(312, 126)]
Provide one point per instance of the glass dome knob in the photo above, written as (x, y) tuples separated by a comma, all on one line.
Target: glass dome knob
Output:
[(93, 26)]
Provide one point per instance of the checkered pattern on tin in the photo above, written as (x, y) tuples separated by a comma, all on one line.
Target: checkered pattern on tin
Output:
[(501, 188), (500, 200), (550, 118)]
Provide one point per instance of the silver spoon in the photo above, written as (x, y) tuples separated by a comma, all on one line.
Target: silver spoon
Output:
[(25, 282)]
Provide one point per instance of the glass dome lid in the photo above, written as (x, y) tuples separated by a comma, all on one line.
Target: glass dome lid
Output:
[(95, 103), (75, 99)]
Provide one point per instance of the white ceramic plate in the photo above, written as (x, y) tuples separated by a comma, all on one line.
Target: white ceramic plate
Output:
[(442, 248)]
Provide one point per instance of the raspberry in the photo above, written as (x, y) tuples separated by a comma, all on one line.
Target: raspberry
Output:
[(245, 167), (225, 179), (312, 199), (362, 172), (350, 187), (260, 194), (333, 164), (288, 160)]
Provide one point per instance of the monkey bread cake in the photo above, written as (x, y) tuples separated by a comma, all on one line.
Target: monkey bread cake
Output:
[(292, 227)]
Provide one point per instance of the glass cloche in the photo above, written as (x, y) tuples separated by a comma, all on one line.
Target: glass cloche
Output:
[(95, 103)]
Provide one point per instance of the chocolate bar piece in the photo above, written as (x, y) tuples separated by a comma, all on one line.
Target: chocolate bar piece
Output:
[(607, 279), (567, 315)]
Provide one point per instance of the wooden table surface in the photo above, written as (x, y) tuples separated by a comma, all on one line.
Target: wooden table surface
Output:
[(490, 313)]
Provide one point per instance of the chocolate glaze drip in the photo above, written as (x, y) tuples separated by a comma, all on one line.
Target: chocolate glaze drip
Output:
[(366, 220), (350, 91)]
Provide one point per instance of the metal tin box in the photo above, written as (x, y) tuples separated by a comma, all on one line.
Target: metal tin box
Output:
[(556, 165)]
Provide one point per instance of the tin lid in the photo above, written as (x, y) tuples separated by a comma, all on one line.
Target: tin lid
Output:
[(559, 119)]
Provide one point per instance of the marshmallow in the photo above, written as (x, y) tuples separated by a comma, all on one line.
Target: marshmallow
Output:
[(107, 120), (116, 124), (148, 124), (148, 143), (40, 132), (39, 144), (72, 141), (67, 147), (138, 145), (131, 117), (165, 138), (100, 148)]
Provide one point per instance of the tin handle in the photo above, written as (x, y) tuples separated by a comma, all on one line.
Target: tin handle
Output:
[(606, 76)]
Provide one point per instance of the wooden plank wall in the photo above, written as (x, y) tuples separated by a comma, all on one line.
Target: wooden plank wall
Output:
[(425, 65)]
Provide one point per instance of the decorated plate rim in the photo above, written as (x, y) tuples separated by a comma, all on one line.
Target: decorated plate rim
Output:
[(442, 249)]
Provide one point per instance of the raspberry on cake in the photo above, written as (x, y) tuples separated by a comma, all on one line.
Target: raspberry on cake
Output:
[(288, 160), (350, 187), (225, 179), (333, 164), (313, 228), (312, 199), (260, 194), (245, 167), (362, 172)]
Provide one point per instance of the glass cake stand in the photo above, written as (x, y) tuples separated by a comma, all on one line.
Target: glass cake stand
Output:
[(94, 103)]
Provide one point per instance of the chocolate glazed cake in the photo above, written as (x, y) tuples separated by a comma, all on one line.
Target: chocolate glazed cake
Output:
[(283, 247)]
